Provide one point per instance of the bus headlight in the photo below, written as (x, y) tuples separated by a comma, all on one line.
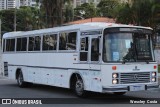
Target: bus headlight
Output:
[(115, 81), (115, 75), (153, 79), (153, 74)]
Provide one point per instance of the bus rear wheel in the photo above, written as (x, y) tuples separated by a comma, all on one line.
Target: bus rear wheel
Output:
[(79, 88), (20, 80)]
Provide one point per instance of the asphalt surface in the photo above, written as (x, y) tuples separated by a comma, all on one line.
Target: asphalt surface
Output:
[(9, 89)]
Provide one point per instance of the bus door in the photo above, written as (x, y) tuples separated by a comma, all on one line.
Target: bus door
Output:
[(84, 52), (94, 53)]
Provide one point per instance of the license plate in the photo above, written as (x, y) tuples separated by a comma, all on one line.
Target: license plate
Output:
[(137, 88)]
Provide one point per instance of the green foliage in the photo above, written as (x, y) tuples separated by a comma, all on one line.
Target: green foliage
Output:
[(140, 12), (69, 13), (56, 12), (7, 17), (159, 68), (53, 11), (86, 10), (25, 19), (106, 8)]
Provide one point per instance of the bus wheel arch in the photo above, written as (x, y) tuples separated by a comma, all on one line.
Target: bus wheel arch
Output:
[(76, 80)]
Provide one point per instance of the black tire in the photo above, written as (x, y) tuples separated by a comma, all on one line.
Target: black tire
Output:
[(119, 93), (79, 88), (20, 80)]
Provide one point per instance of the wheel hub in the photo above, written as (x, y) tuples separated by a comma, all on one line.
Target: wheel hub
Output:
[(79, 86)]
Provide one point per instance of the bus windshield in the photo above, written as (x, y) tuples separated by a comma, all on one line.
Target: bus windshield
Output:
[(127, 46)]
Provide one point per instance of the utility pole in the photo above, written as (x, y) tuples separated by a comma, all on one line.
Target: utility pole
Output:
[(15, 19)]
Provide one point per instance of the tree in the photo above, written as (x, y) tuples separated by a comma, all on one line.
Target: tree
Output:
[(69, 12), (86, 10), (26, 19), (106, 7), (53, 12), (7, 17), (140, 12)]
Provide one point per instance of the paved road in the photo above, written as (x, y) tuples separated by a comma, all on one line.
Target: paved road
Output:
[(9, 89)]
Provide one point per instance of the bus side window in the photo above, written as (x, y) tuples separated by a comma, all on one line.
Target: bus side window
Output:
[(21, 44), (10, 45), (53, 42), (7, 44), (31, 44), (24, 44), (62, 41), (49, 42), (67, 41), (18, 44), (84, 49), (37, 43), (71, 41)]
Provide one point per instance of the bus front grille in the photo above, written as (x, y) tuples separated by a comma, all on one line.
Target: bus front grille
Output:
[(140, 77)]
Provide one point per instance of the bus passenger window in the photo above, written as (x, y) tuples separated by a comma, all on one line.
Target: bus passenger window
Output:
[(50, 42), (45, 42), (18, 44), (62, 41), (7, 44), (37, 43), (10, 44), (67, 41), (31, 44), (21, 44), (71, 41), (24, 44)]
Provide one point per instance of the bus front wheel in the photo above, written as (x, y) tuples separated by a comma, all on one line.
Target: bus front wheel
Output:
[(79, 88), (20, 80)]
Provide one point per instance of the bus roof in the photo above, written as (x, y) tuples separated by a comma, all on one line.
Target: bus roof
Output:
[(81, 27)]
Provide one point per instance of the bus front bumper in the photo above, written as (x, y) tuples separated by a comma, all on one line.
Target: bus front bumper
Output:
[(130, 88)]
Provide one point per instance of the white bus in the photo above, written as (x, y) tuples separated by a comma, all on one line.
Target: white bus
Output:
[(97, 57)]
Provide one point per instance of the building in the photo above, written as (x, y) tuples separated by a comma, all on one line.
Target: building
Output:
[(2, 4), (79, 2), (8, 4), (31, 3)]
